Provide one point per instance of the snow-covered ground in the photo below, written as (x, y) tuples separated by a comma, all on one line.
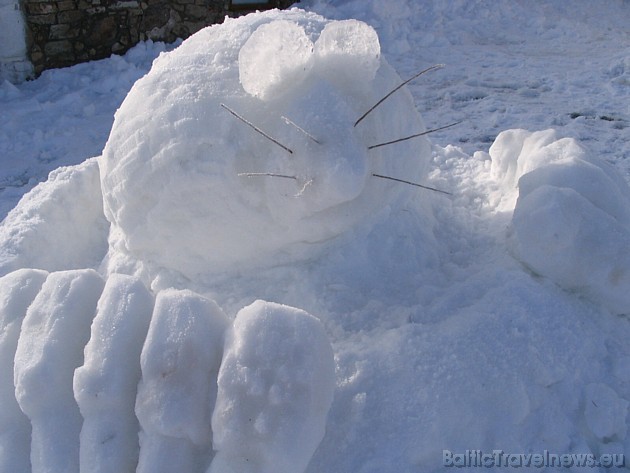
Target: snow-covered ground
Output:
[(495, 318)]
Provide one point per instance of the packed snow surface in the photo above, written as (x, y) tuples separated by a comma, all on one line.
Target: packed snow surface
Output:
[(401, 323)]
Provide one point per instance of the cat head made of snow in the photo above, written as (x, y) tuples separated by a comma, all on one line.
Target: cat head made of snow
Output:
[(190, 182)]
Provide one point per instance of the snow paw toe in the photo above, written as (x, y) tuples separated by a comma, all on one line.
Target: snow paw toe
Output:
[(275, 389)]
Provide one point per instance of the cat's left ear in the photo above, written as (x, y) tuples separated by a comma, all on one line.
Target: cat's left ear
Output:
[(276, 58)]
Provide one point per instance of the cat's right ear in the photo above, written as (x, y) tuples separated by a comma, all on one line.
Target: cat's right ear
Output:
[(348, 53)]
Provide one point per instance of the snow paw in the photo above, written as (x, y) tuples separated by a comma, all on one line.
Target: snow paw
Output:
[(180, 362), (571, 221), (17, 292), (105, 385), (54, 332), (276, 386), (98, 377)]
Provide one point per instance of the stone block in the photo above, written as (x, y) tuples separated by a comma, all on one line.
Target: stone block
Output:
[(155, 16), (41, 8), (48, 19), (37, 56), (196, 12), (180, 30), (58, 48), (70, 16), (63, 32), (193, 27), (59, 32), (39, 34), (118, 48), (125, 5), (65, 5), (135, 14), (103, 31)]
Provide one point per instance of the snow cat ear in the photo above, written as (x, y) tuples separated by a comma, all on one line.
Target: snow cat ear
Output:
[(275, 59), (349, 52)]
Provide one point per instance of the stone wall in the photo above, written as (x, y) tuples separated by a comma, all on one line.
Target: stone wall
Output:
[(65, 32)]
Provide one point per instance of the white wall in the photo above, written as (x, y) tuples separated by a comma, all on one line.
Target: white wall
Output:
[(14, 65)]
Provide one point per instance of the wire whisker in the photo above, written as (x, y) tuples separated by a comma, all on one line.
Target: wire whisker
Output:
[(247, 122), (304, 187), (413, 136), (284, 176), (436, 66), (266, 174), (411, 183), (302, 130)]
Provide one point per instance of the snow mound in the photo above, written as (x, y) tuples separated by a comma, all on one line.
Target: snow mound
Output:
[(301, 79), (49, 217), (571, 221), (276, 385)]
